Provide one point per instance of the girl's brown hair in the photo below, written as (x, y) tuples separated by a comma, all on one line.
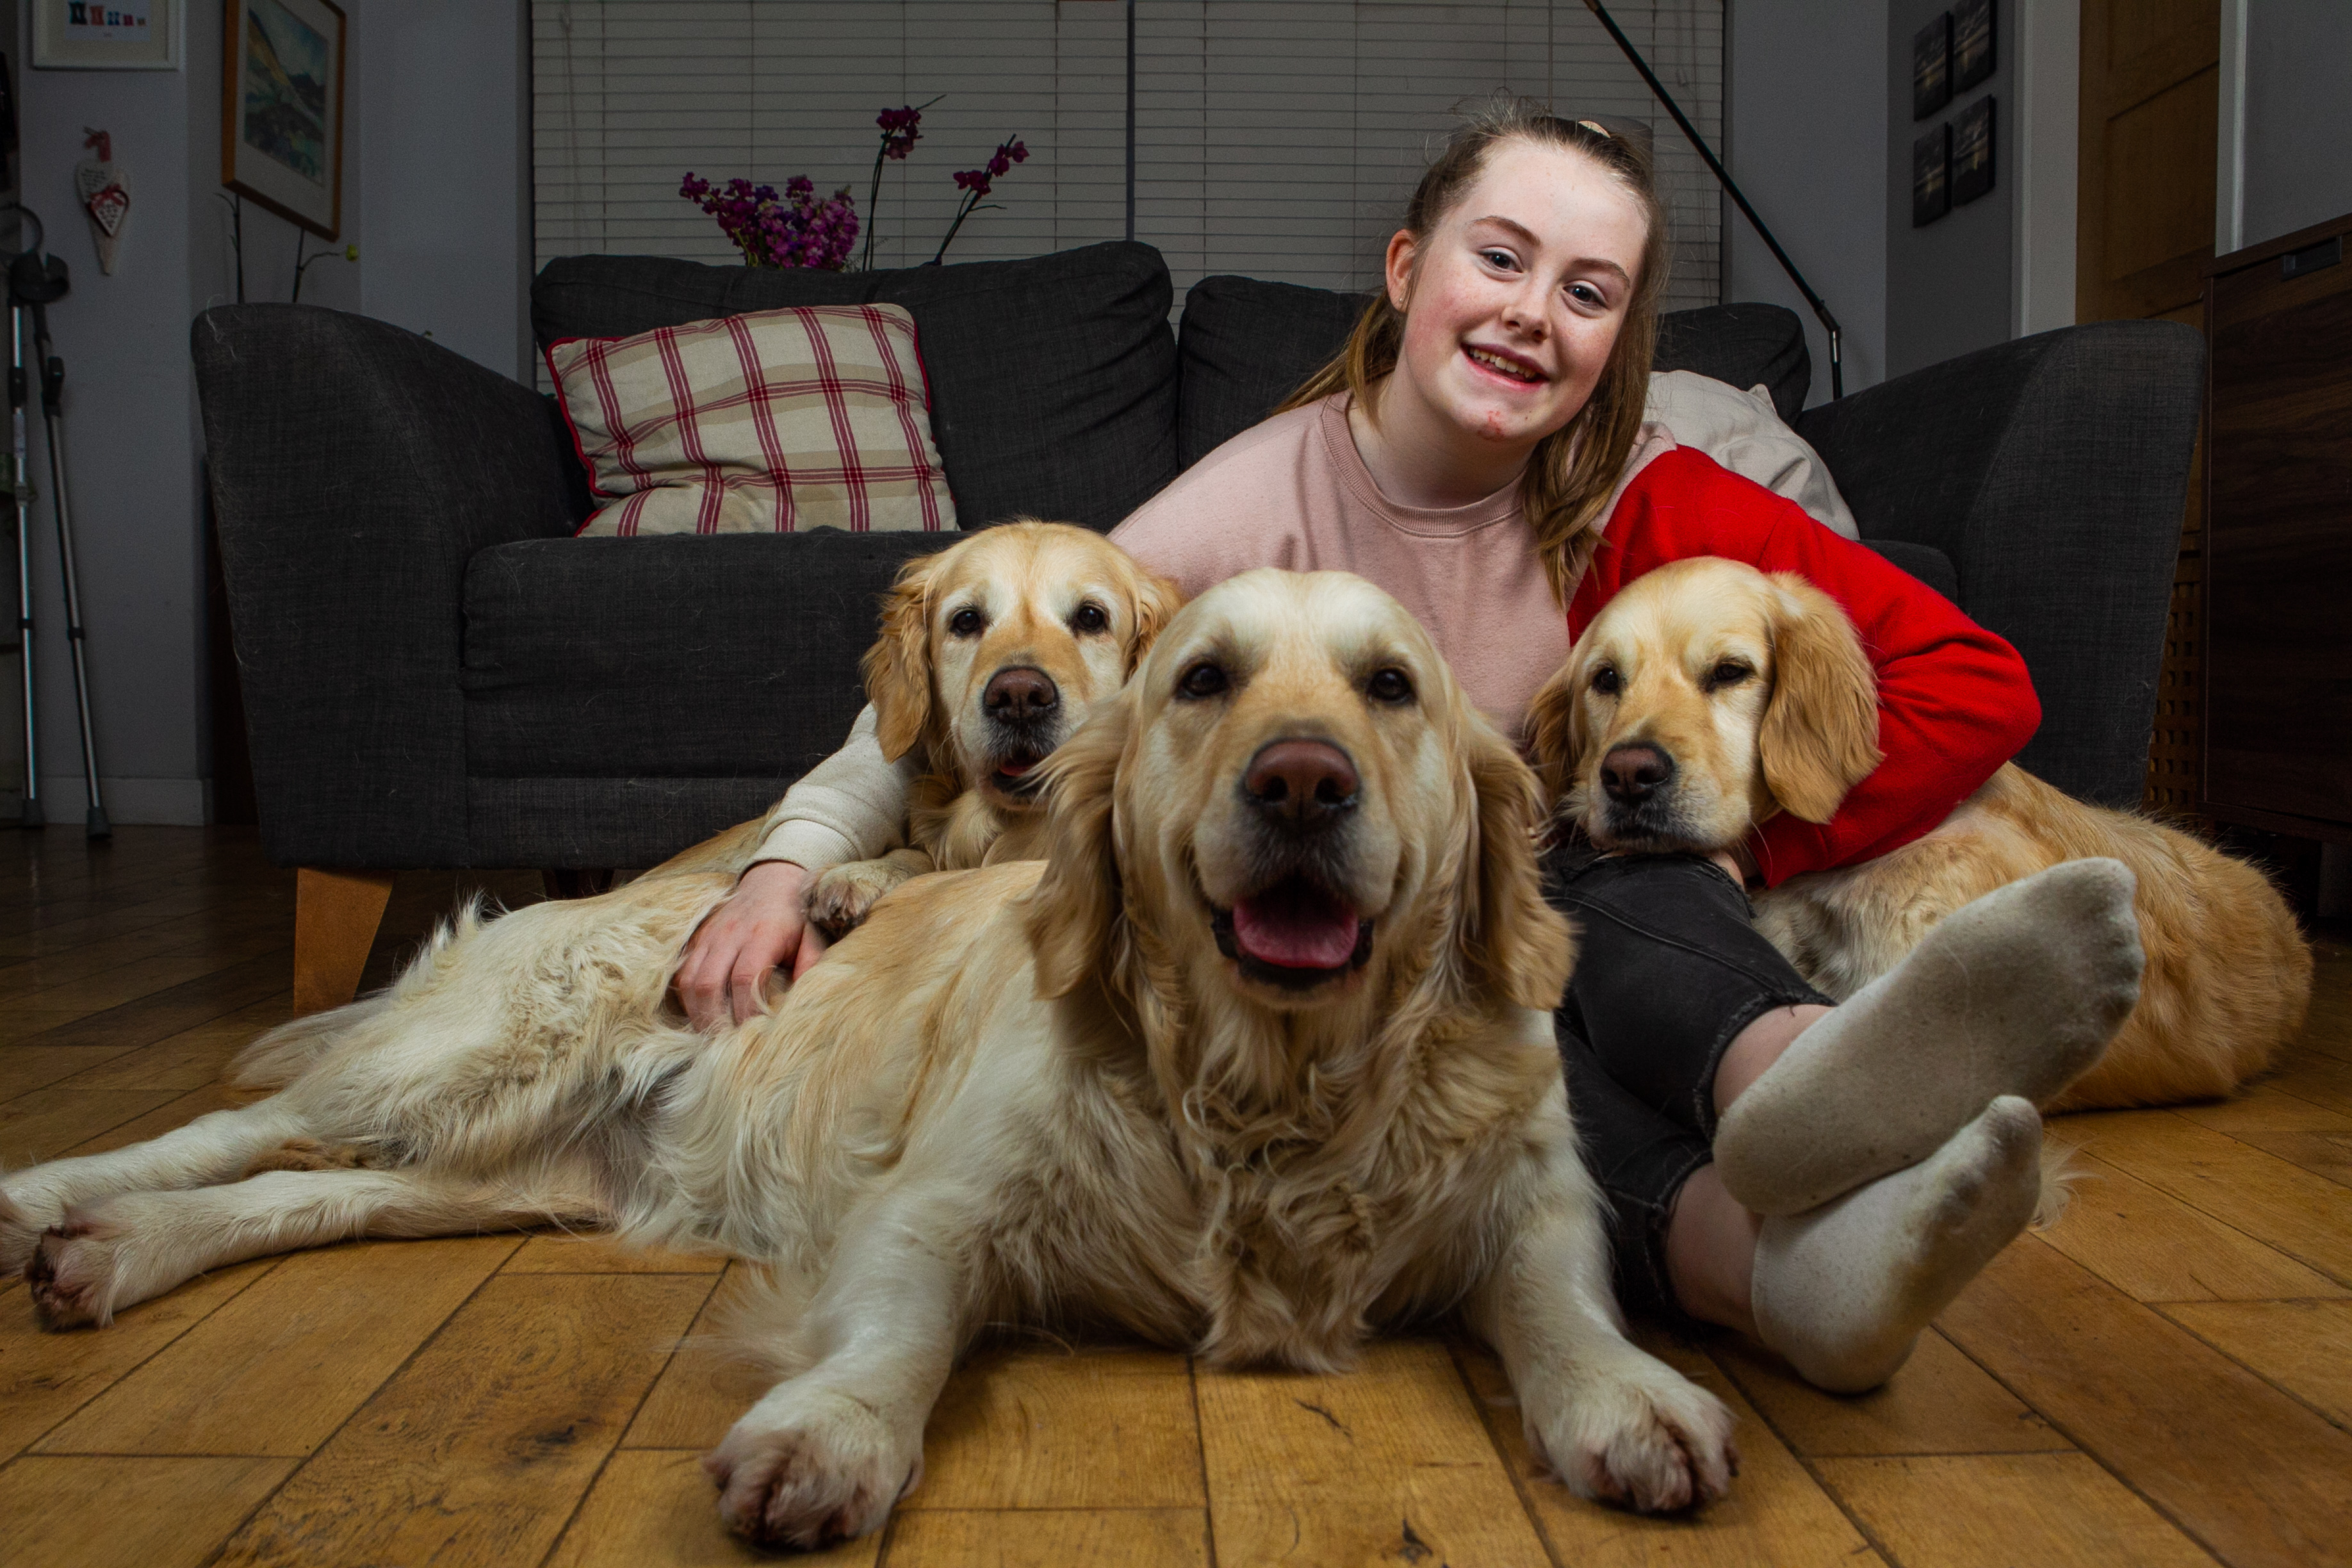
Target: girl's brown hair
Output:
[(1572, 470)]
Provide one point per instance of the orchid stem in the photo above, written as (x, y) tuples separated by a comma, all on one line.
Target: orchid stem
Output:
[(971, 200), (872, 198)]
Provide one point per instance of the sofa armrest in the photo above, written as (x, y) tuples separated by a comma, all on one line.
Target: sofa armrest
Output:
[(356, 468), (2053, 470)]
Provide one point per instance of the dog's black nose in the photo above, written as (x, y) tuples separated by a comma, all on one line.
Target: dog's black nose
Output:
[(1302, 783), (1020, 695), (1634, 772)]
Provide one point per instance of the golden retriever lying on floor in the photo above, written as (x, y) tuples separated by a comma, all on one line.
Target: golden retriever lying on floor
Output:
[(1259, 1060), (991, 653), (1708, 696)]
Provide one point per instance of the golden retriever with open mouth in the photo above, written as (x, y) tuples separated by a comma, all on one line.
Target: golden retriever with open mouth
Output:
[(1259, 1060), (991, 653), (1708, 696)]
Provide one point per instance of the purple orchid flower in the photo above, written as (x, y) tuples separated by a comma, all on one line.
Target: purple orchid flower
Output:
[(976, 184)]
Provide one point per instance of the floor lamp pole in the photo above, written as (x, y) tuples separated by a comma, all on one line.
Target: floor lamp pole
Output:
[(1723, 176), (1130, 118)]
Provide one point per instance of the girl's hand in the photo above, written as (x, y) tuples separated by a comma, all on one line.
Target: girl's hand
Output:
[(760, 927)]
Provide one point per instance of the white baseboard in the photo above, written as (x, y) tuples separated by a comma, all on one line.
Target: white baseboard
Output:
[(167, 803)]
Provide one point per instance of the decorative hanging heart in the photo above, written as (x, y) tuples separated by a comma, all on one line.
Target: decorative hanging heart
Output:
[(104, 187), (109, 204)]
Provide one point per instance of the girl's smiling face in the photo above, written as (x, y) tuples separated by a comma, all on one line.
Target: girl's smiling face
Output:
[(1512, 301)]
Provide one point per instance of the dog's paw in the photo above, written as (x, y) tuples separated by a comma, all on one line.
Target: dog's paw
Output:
[(1644, 1438), (72, 1273), (20, 1233), (838, 900), (811, 1471)]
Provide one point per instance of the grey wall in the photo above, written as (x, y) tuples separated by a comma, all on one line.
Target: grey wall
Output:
[(131, 442), (1948, 285), (2298, 147), (436, 195), (1808, 141), (448, 175)]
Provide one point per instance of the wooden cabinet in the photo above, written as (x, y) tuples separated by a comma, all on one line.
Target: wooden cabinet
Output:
[(2278, 543)]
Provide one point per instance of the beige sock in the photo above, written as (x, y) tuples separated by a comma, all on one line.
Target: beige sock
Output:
[(2015, 994), (1844, 1291)]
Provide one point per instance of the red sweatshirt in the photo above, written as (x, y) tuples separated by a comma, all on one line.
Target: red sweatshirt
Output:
[(1954, 700)]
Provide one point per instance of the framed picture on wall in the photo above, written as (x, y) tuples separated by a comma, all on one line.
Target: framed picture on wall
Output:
[(1931, 66), (1972, 152), (1972, 56), (282, 109), (85, 35), (1931, 189)]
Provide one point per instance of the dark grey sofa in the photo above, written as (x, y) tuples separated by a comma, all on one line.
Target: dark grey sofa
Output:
[(437, 674)]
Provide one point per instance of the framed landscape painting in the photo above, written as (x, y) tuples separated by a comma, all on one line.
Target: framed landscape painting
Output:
[(282, 109)]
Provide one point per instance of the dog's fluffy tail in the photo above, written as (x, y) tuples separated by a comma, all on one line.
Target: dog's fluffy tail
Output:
[(286, 1053)]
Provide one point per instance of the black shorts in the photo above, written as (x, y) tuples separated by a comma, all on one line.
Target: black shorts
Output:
[(1669, 969)]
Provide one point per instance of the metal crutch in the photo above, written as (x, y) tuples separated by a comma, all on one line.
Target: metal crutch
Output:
[(34, 282), (53, 389), (17, 392)]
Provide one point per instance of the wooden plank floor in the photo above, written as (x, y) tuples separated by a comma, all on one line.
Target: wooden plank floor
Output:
[(2164, 1378)]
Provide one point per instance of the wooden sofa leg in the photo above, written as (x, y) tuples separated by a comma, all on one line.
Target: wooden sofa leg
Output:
[(575, 884), (335, 917)]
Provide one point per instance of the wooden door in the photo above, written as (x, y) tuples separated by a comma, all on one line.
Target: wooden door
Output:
[(2144, 233), (2278, 430)]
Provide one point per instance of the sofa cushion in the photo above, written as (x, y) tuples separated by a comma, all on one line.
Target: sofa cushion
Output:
[(1246, 344), (773, 422), (670, 657), (1745, 344), (1052, 379)]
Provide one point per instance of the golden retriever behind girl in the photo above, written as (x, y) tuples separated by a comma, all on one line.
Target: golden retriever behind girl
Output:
[(1708, 696), (991, 653), (1259, 1060)]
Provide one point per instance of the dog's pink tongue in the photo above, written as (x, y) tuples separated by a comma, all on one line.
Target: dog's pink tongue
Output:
[(1296, 928)]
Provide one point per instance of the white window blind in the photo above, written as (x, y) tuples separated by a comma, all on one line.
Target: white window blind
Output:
[(1276, 137)]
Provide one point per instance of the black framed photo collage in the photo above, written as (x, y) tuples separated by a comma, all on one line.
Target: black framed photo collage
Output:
[(1952, 161)]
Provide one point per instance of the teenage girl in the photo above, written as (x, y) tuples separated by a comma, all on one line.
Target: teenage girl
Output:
[(1823, 1179)]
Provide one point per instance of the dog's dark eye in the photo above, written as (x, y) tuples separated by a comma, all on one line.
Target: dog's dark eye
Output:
[(966, 623), (1090, 618), (1390, 686), (1731, 672), (1203, 679), (1607, 681)]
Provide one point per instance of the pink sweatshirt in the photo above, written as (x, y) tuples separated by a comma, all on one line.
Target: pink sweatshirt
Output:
[(1294, 492)]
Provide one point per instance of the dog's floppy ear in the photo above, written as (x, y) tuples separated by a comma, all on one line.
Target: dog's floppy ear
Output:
[(898, 668), (1521, 945), (1074, 911), (1553, 723), (1157, 600), (1819, 735)]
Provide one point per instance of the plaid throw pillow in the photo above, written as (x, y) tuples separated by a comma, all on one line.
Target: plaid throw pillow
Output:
[(816, 416)]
